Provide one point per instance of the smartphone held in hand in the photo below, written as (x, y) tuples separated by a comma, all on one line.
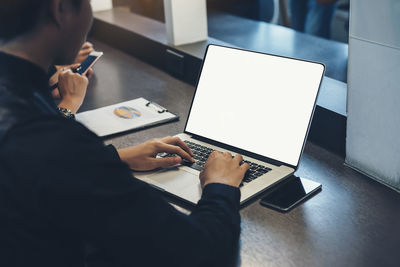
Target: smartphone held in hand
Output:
[(89, 62)]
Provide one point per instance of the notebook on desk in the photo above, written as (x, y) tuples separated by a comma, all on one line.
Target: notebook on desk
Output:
[(255, 104), (130, 115)]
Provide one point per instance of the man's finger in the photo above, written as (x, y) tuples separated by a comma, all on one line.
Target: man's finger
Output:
[(184, 146), (89, 73), (165, 162), (177, 141), (74, 66), (86, 50), (238, 158), (84, 54), (87, 44), (56, 93), (65, 71), (244, 167), (172, 149), (214, 154), (227, 154)]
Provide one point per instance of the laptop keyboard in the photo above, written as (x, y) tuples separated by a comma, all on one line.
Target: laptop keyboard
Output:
[(201, 154)]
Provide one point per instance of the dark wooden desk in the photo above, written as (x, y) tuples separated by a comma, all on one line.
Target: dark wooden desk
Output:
[(354, 221)]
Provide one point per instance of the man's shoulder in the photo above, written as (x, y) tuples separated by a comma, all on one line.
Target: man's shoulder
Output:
[(51, 126), (12, 110), (47, 136), (55, 149)]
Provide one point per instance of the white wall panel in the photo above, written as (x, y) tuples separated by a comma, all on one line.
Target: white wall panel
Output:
[(376, 20), (186, 21), (373, 123)]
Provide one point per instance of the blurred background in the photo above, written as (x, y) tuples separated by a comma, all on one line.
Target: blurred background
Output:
[(324, 18)]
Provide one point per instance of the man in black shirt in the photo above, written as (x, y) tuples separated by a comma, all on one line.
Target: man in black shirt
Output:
[(63, 193)]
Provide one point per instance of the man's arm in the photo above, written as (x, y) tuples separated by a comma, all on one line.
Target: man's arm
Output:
[(93, 194)]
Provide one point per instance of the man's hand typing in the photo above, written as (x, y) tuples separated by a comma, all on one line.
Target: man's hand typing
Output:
[(143, 157), (223, 169)]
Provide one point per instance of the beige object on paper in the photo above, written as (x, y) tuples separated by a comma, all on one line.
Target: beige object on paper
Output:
[(186, 21), (100, 5)]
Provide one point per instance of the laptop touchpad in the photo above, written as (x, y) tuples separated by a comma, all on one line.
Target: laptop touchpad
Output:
[(175, 179)]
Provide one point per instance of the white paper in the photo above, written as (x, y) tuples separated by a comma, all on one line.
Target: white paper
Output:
[(104, 121)]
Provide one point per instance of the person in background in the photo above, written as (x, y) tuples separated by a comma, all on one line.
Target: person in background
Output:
[(67, 199), (313, 16)]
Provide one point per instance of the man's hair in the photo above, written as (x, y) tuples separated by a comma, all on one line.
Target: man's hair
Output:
[(20, 17)]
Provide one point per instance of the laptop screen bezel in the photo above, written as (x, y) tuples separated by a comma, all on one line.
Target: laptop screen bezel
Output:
[(242, 151)]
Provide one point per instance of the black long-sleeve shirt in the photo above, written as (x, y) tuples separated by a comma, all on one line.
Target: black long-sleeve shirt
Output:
[(64, 193)]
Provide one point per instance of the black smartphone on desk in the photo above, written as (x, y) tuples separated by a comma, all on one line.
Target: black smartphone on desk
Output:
[(290, 193)]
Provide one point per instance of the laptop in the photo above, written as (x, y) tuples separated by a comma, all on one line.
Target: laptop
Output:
[(255, 104)]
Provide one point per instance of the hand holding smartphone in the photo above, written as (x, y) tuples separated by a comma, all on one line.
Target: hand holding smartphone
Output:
[(86, 64), (89, 62)]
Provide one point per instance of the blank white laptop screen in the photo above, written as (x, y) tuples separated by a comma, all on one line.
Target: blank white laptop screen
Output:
[(255, 102)]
